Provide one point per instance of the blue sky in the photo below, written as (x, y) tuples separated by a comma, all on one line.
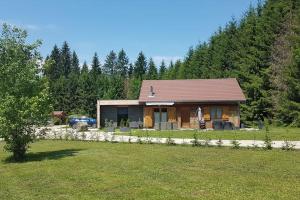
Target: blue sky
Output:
[(162, 29)]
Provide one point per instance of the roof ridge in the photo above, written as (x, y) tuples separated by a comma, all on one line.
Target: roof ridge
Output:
[(191, 79)]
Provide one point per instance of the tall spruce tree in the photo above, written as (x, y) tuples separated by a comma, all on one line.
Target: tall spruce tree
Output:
[(96, 67), (140, 66), (110, 64), (65, 59), (152, 70), (130, 70), (75, 63), (122, 64), (162, 70), (53, 70)]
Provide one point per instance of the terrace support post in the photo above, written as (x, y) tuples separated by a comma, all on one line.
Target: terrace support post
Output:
[(239, 115), (98, 114), (159, 117)]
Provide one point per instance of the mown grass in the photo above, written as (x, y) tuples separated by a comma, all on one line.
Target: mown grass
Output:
[(97, 170), (276, 133)]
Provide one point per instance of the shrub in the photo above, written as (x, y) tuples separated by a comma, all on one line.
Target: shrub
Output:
[(207, 143), (195, 142), (147, 134), (122, 123), (219, 143), (139, 140), (111, 123), (235, 144), (130, 134), (127, 122), (149, 141), (268, 142), (254, 145), (106, 123), (288, 146), (170, 141)]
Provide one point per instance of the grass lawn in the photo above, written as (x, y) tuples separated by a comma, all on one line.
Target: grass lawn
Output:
[(276, 133), (95, 170)]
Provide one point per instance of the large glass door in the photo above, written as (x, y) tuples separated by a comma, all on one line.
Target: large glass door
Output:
[(164, 115), (122, 114)]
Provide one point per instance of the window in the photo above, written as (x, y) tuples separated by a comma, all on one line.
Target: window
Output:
[(216, 113)]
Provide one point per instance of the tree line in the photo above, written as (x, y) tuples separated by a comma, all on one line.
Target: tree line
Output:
[(261, 50), (76, 88)]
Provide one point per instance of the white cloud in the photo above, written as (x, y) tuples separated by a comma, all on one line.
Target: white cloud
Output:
[(167, 59), (29, 27)]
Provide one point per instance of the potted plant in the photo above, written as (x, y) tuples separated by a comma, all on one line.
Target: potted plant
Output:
[(109, 126), (124, 125)]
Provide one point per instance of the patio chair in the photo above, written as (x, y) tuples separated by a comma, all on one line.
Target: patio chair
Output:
[(228, 126), (218, 125)]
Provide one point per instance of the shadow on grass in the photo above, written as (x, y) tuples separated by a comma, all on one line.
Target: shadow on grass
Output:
[(47, 155)]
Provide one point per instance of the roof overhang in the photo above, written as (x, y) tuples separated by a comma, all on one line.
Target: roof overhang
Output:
[(196, 101), (118, 102), (160, 103)]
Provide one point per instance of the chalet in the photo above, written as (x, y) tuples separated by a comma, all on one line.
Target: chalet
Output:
[(172, 104)]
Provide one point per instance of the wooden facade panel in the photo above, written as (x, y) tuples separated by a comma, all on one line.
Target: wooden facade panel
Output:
[(172, 114), (184, 114), (178, 118), (148, 117), (234, 115), (206, 113), (225, 113), (194, 123), (185, 117)]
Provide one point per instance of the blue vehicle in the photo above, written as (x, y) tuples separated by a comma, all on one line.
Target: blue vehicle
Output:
[(90, 121)]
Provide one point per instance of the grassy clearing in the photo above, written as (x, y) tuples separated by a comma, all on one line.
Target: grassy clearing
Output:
[(93, 170), (276, 133)]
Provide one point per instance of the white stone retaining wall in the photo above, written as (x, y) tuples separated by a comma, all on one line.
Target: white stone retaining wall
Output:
[(96, 135)]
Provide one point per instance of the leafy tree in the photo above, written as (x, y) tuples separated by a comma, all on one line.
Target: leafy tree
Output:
[(24, 101)]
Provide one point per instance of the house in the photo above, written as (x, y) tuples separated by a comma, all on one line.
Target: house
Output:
[(175, 103)]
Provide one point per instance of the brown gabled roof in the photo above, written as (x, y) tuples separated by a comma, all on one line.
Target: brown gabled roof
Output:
[(192, 90)]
